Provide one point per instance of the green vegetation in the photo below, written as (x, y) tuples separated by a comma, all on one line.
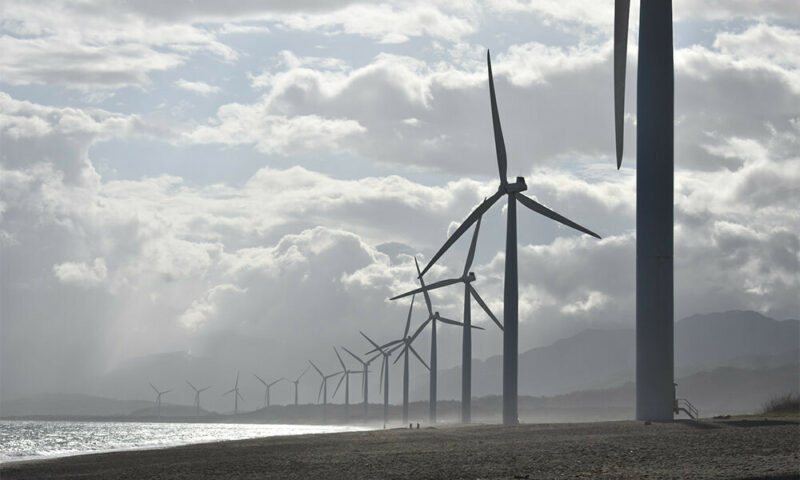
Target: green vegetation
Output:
[(782, 405)]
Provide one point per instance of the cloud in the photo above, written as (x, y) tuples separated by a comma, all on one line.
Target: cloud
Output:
[(81, 274), (197, 87)]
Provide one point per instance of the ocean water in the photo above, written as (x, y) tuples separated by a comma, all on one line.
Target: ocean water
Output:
[(31, 439)]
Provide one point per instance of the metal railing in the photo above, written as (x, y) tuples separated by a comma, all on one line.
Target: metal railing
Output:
[(682, 404)]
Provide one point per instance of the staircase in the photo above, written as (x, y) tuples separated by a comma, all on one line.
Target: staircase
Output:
[(685, 406)]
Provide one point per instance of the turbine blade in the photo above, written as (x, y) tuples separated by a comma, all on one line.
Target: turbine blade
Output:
[(190, 384), (424, 290), (237, 379), (479, 210), (370, 341), (366, 364), (621, 14), (541, 209), (471, 254), (317, 369), (404, 350), (319, 394), (449, 321), (239, 395), (383, 366), (410, 308), (340, 358), (418, 357), (260, 379), (204, 389), (354, 355), (338, 385), (165, 391), (420, 329), (499, 144), (229, 391), (429, 287), (276, 381), (154, 388), (304, 372), (484, 306)]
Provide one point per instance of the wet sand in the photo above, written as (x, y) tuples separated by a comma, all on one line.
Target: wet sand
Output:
[(736, 449)]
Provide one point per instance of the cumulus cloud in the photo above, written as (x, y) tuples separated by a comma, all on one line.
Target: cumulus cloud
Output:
[(81, 274), (197, 87)]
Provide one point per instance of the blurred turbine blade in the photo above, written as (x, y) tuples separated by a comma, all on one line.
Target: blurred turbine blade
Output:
[(451, 322), (190, 384), (370, 341), (260, 379), (403, 351), (472, 218), (484, 306), (304, 372), (499, 144), (420, 329), (621, 14), (344, 367), (354, 355), (338, 385), (408, 321), (229, 391), (154, 388), (418, 357), (541, 209), (317, 369), (471, 254), (322, 384), (424, 290)]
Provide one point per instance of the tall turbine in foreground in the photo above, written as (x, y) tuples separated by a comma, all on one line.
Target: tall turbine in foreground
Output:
[(510, 296), (236, 395), (296, 382), (432, 318), (158, 399), (466, 341), (197, 392), (365, 378), (267, 387), (655, 112), (384, 375)]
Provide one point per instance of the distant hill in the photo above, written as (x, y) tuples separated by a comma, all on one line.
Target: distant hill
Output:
[(597, 359)]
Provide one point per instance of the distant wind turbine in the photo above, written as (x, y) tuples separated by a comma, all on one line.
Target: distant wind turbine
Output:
[(466, 341), (655, 177), (158, 399), (405, 344), (511, 294), (323, 389), (346, 378), (267, 387), (296, 382), (197, 392), (384, 374), (432, 318), (365, 378), (236, 395)]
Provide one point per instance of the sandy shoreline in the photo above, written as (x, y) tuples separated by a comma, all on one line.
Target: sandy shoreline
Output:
[(712, 449)]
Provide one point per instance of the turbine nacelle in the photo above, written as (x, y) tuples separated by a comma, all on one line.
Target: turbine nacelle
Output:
[(518, 186)]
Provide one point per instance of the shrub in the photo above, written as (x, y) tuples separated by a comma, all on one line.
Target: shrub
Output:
[(787, 404)]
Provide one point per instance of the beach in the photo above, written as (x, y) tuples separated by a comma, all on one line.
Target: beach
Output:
[(732, 448)]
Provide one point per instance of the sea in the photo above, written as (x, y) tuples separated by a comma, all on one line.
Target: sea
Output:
[(33, 439)]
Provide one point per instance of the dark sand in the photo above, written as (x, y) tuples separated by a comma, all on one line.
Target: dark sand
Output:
[(712, 449)]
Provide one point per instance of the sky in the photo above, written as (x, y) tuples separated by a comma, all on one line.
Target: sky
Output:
[(216, 177)]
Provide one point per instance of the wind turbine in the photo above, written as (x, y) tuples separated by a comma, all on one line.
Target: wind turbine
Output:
[(346, 378), (365, 378), (197, 392), (466, 342), (384, 374), (267, 387), (323, 389), (158, 399), (296, 381), (236, 395), (655, 176), (432, 318), (405, 343), (511, 295)]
